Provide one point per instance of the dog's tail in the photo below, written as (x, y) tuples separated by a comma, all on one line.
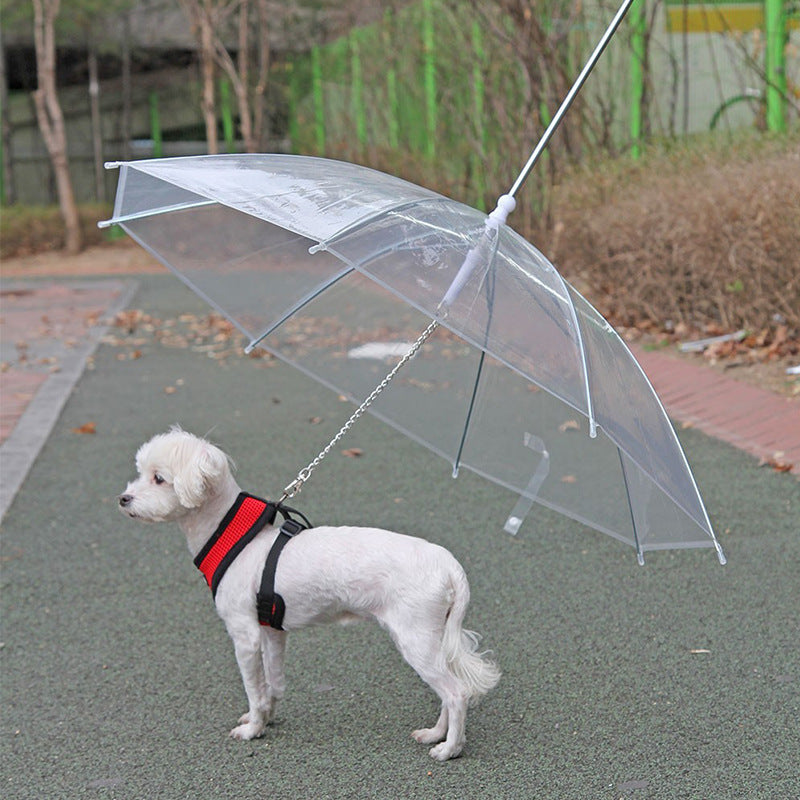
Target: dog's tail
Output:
[(476, 671)]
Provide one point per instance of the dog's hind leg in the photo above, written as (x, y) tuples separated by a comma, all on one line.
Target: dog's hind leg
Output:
[(433, 669), (422, 648), (247, 646), (436, 733)]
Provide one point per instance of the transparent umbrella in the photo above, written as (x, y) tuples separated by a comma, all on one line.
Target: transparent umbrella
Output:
[(337, 269)]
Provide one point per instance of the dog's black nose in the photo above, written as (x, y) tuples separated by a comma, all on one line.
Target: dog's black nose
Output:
[(125, 499)]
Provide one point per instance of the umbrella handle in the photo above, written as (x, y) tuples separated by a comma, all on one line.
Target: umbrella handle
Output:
[(505, 205)]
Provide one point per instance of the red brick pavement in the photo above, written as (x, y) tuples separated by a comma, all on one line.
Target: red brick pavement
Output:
[(40, 325), (762, 423)]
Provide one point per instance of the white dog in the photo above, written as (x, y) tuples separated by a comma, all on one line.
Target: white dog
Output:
[(414, 589)]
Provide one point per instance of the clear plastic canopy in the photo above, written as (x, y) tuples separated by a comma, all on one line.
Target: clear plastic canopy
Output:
[(337, 269)]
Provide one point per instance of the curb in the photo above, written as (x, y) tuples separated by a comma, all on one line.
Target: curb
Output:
[(20, 450)]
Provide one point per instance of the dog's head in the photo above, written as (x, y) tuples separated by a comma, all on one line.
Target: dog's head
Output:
[(178, 473)]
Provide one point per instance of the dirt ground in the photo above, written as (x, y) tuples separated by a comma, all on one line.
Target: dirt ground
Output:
[(126, 258)]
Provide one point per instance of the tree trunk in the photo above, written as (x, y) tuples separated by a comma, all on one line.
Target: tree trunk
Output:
[(260, 90), (97, 127), (207, 65), (242, 86), (209, 19), (127, 95), (9, 196), (51, 118), (200, 14), (250, 100)]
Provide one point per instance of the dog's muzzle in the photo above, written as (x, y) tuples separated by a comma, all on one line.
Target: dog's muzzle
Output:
[(125, 500)]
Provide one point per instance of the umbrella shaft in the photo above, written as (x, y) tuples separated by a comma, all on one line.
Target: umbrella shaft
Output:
[(567, 102)]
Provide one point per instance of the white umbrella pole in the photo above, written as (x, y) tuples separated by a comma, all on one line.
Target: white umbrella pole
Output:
[(506, 203), (567, 102)]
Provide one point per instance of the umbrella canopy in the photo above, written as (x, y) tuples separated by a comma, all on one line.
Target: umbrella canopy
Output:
[(336, 269)]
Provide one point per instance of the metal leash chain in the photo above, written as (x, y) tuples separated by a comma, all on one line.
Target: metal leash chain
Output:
[(297, 484)]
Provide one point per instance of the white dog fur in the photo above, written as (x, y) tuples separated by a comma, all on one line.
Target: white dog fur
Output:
[(414, 589)]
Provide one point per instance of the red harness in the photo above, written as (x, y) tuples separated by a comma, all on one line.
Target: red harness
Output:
[(247, 517)]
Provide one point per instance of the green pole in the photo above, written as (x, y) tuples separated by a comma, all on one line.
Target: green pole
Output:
[(2, 161), (155, 126), (294, 130), (357, 81), (638, 32), (227, 116), (391, 83), (394, 124), (775, 33), (478, 90), (319, 106), (430, 77)]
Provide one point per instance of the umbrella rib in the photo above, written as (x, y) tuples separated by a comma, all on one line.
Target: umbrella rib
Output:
[(709, 528), (489, 287), (360, 223), (154, 212), (467, 421), (297, 306), (582, 349), (409, 244), (639, 553)]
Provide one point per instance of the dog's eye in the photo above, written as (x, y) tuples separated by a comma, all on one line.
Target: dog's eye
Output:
[(158, 479)]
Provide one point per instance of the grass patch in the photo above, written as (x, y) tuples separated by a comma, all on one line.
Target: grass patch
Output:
[(25, 230)]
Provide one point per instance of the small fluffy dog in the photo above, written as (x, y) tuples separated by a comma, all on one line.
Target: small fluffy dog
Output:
[(414, 589)]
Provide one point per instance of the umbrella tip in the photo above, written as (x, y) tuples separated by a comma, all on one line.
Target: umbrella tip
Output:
[(512, 525)]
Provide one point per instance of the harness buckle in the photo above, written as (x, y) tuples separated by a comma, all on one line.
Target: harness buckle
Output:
[(291, 527)]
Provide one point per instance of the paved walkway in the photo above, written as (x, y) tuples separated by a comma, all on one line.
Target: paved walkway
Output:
[(48, 333), (49, 330)]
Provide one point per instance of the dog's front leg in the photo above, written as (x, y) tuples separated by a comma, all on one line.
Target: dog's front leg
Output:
[(273, 648), (247, 646)]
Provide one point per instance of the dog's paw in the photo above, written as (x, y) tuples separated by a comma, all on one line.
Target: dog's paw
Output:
[(427, 735), (247, 731), (445, 751)]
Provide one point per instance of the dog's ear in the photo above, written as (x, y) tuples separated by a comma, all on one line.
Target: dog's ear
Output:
[(199, 473)]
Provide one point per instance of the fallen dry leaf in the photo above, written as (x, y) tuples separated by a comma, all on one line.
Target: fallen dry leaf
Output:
[(353, 452), (569, 479), (89, 427), (777, 463), (569, 425)]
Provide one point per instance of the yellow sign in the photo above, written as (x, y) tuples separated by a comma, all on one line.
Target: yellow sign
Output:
[(717, 17)]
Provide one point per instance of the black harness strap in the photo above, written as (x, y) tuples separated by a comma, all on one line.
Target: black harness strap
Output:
[(269, 603), (246, 518)]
